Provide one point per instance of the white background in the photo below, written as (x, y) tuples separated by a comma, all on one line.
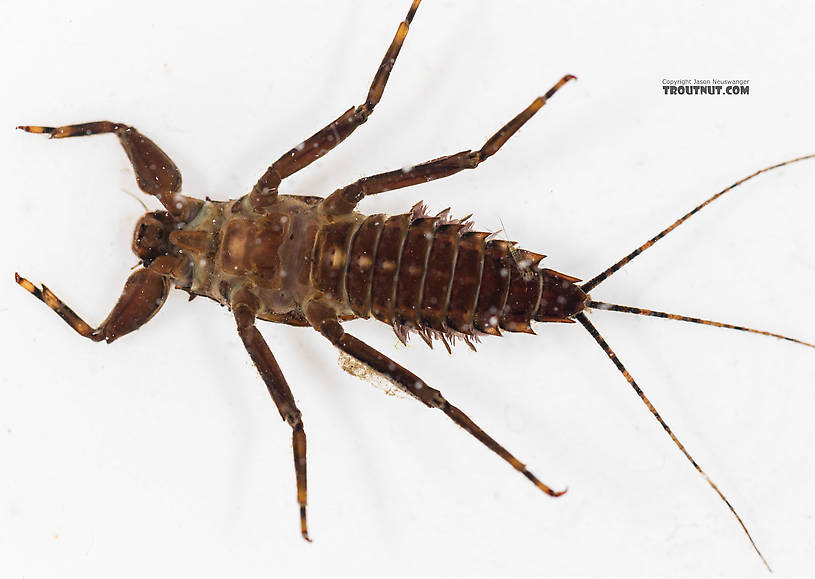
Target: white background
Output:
[(163, 455)]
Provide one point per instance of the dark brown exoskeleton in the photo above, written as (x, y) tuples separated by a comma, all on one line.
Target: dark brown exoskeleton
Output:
[(311, 261)]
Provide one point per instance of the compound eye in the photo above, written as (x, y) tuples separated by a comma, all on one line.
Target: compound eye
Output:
[(140, 233), (150, 237)]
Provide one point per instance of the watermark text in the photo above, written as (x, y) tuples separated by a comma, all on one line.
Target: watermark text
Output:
[(711, 86)]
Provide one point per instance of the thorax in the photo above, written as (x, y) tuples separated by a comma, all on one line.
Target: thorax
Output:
[(230, 246)]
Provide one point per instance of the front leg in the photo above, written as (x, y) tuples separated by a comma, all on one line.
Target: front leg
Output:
[(156, 174), (144, 293)]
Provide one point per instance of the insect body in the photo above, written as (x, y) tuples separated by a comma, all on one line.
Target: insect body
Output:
[(310, 261)]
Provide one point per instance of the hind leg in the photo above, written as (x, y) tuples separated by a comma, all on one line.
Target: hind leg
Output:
[(324, 320), (345, 200)]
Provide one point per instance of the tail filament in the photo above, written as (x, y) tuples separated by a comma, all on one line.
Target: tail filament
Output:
[(601, 277), (581, 317)]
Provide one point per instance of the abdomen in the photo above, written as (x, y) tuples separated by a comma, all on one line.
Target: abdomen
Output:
[(428, 273)]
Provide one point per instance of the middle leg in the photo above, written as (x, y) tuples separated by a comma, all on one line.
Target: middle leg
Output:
[(317, 145), (244, 308)]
